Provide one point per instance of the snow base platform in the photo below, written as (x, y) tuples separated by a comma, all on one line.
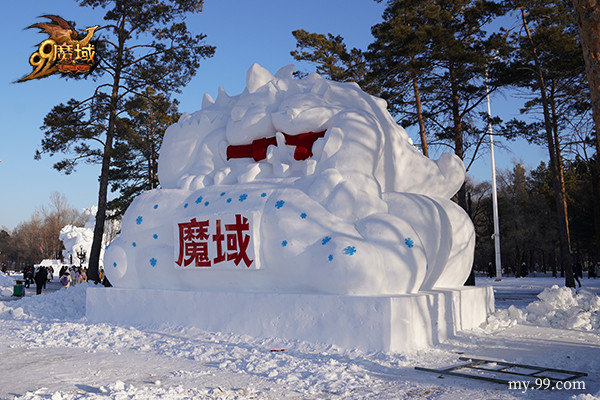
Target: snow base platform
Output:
[(371, 323)]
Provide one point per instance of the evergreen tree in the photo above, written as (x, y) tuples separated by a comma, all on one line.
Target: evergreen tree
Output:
[(135, 155), (549, 61), (436, 50), (332, 58), (399, 60), (588, 20), (457, 52), (145, 43)]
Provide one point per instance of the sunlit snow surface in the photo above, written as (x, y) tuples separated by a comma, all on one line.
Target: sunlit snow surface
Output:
[(49, 351)]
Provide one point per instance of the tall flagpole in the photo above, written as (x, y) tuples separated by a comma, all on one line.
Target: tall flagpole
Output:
[(496, 234)]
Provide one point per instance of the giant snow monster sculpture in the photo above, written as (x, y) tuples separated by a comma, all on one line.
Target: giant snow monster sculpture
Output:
[(295, 185)]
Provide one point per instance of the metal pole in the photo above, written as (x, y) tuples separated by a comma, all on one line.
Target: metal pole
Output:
[(496, 235)]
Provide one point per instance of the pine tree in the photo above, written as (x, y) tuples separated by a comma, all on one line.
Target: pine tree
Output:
[(441, 50), (549, 60), (331, 56), (134, 167), (587, 13), (145, 43)]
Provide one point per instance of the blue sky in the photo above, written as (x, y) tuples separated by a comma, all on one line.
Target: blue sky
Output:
[(244, 32)]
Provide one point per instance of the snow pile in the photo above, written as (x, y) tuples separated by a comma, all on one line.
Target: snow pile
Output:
[(557, 307), (6, 280), (6, 284), (121, 391), (565, 308), (503, 319), (64, 304), (586, 397)]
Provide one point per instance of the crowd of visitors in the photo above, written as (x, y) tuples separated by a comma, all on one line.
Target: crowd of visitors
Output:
[(68, 276)]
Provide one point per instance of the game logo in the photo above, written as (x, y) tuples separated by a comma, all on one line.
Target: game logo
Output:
[(63, 51)]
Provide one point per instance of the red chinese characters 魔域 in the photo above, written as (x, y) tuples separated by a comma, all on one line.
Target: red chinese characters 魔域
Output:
[(205, 244)]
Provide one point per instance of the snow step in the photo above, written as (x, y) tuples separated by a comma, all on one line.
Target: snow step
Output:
[(505, 373)]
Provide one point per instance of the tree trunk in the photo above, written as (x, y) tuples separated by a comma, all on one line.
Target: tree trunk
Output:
[(457, 132), (559, 163), (94, 260), (419, 110), (588, 20), (565, 254)]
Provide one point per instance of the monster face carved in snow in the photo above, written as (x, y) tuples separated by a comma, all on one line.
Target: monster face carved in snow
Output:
[(295, 185)]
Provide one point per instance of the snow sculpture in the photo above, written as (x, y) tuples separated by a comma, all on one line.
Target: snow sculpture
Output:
[(75, 238), (295, 186)]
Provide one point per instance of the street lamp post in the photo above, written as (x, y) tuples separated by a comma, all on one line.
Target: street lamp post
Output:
[(81, 254), (496, 235)]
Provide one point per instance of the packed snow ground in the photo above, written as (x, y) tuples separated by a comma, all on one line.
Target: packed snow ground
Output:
[(49, 351)]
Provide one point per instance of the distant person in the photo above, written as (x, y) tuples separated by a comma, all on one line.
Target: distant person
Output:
[(45, 280), (82, 276), (524, 270), (40, 279), (63, 269), (578, 272), (75, 277), (65, 280), (28, 276), (592, 271)]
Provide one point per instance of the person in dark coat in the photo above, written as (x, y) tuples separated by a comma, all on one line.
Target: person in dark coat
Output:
[(578, 272), (40, 279), (28, 276)]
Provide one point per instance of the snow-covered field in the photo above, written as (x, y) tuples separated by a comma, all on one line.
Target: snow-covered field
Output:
[(49, 351)]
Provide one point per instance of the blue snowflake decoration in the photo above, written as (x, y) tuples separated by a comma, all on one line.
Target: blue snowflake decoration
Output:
[(409, 242), (325, 240), (134, 244), (155, 206), (279, 204), (284, 243), (350, 250), (155, 236), (206, 203), (222, 194), (199, 200), (229, 200), (243, 197), (139, 220), (263, 195), (303, 215), (185, 205), (153, 262), (330, 257), (114, 265)]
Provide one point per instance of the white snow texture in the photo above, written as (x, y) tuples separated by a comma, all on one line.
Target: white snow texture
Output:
[(362, 213)]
